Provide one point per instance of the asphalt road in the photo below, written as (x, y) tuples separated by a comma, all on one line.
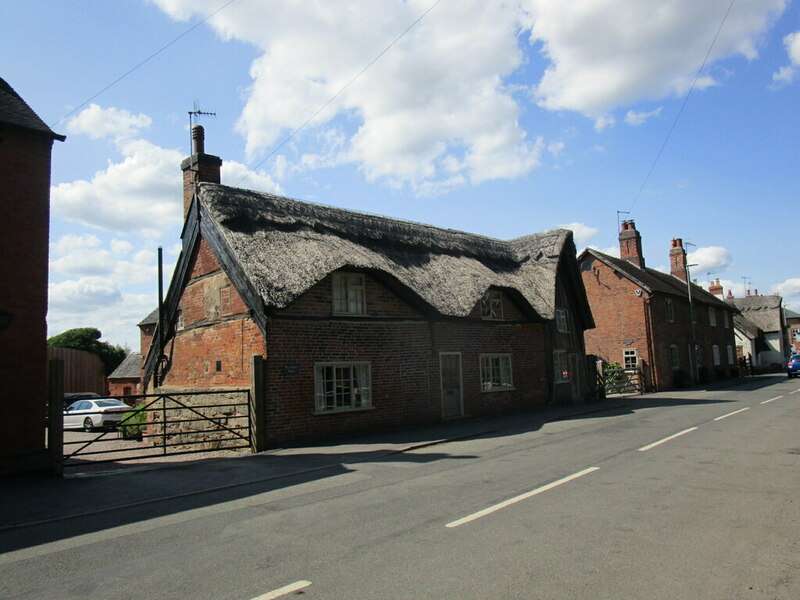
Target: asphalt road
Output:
[(688, 496)]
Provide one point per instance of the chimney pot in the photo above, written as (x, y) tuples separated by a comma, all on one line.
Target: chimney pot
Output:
[(198, 140), (199, 167), (630, 244)]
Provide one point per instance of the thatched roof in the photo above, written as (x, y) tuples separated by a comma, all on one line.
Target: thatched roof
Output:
[(764, 311), (15, 112), (654, 281), (284, 247)]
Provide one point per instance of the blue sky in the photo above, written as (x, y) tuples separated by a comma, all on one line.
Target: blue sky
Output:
[(497, 118)]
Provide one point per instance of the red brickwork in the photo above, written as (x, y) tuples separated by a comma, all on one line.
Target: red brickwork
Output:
[(24, 230), (403, 351)]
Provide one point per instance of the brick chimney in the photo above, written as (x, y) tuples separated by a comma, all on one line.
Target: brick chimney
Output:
[(199, 167), (730, 294), (715, 288), (677, 259), (630, 244)]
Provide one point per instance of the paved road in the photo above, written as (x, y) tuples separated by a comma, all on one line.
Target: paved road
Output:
[(687, 496)]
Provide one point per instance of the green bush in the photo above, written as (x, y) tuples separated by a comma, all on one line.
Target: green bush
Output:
[(133, 423)]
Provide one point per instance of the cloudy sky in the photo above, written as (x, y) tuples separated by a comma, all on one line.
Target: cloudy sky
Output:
[(494, 117)]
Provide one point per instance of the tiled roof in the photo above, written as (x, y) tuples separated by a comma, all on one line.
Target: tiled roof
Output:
[(654, 281), (15, 112), (128, 368)]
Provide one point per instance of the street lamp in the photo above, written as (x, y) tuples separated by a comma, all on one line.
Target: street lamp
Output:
[(693, 353)]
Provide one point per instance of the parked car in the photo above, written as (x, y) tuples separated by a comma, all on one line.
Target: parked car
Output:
[(793, 365), (94, 413), (72, 397)]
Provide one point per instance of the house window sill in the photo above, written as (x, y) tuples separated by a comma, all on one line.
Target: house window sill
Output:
[(339, 411), (498, 389)]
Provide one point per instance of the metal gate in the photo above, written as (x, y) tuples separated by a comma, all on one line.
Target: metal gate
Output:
[(166, 424)]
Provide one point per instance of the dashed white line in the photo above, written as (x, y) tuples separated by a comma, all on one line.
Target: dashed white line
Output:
[(730, 414), (772, 399), (287, 589), (667, 439), (795, 392), (521, 497)]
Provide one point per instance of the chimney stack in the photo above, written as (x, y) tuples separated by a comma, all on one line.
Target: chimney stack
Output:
[(677, 259), (199, 167), (630, 244), (715, 288)]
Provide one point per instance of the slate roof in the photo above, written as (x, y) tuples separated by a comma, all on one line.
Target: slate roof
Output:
[(15, 112), (151, 319), (131, 367), (654, 281), (764, 311), (284, 247)]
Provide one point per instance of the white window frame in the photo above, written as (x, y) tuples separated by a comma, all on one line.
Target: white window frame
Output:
[(342, 386), (712, 316), (731, 358), (562, 320), (628, 353), (561, 373), (674, 357), (349, 294), (670, 310), (496, 373), (492, 306), (715, 355)]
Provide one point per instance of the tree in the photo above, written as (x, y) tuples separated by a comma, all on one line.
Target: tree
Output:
[(88, 339)]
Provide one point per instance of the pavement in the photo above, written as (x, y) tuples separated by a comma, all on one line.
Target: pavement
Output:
[(38, 500)]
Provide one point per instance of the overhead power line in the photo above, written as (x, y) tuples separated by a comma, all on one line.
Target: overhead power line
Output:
[(145, 61), (683, 105), (288, 138)]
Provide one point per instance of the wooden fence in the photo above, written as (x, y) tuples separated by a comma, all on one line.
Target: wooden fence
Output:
[(83, 371)]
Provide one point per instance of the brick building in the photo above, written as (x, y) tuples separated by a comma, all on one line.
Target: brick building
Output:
[(365, 322), (126, 379), (643, 317), (25, 150)]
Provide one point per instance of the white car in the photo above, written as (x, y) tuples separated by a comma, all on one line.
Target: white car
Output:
[(94, 413)]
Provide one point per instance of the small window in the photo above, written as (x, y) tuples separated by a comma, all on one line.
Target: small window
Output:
[(630, 358), (712, 316), (218, 366), (670, 311), (496, 372), (715, 355), (342, 386), (730, 353), (673, 357), (562, 320), (349, 296), (492, 306), (726, 323), (560, 367), (179, 320)]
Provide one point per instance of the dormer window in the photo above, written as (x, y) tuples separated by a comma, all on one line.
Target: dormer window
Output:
[(562, 320), (349, 294), (492, 306)]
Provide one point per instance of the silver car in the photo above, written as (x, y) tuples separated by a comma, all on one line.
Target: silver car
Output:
[(94, 413)]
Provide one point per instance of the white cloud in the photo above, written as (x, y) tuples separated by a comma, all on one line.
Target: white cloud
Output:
[(603, 122), (555, 148), (639, 118), (709, 259), (97, 122), (83, 295), (788, 289), (582, 233), (609, 54), (239, 175), (785, 75)]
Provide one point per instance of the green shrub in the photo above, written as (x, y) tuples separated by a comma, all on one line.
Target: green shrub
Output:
[(133, 423)]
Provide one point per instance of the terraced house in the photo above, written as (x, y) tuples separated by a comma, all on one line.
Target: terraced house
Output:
[(674, 332), (364, 322)]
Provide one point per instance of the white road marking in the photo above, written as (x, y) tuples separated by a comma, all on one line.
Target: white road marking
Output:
[(525, 496), (772, 399), (730, 414), (287, 589), (667, 439), (795, 392)]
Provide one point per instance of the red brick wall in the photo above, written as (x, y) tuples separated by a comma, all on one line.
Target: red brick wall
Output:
[(403, 351), (24, 231), (212, 349), (120, 387), (619, 315)]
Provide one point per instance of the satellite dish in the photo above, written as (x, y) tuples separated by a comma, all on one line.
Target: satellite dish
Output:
[(638, 292)]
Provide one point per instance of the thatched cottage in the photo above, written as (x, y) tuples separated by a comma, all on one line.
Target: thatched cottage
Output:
[(365, 322)]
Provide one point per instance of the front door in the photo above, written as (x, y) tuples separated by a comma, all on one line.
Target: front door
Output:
[(574, 378), (451, 385)]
